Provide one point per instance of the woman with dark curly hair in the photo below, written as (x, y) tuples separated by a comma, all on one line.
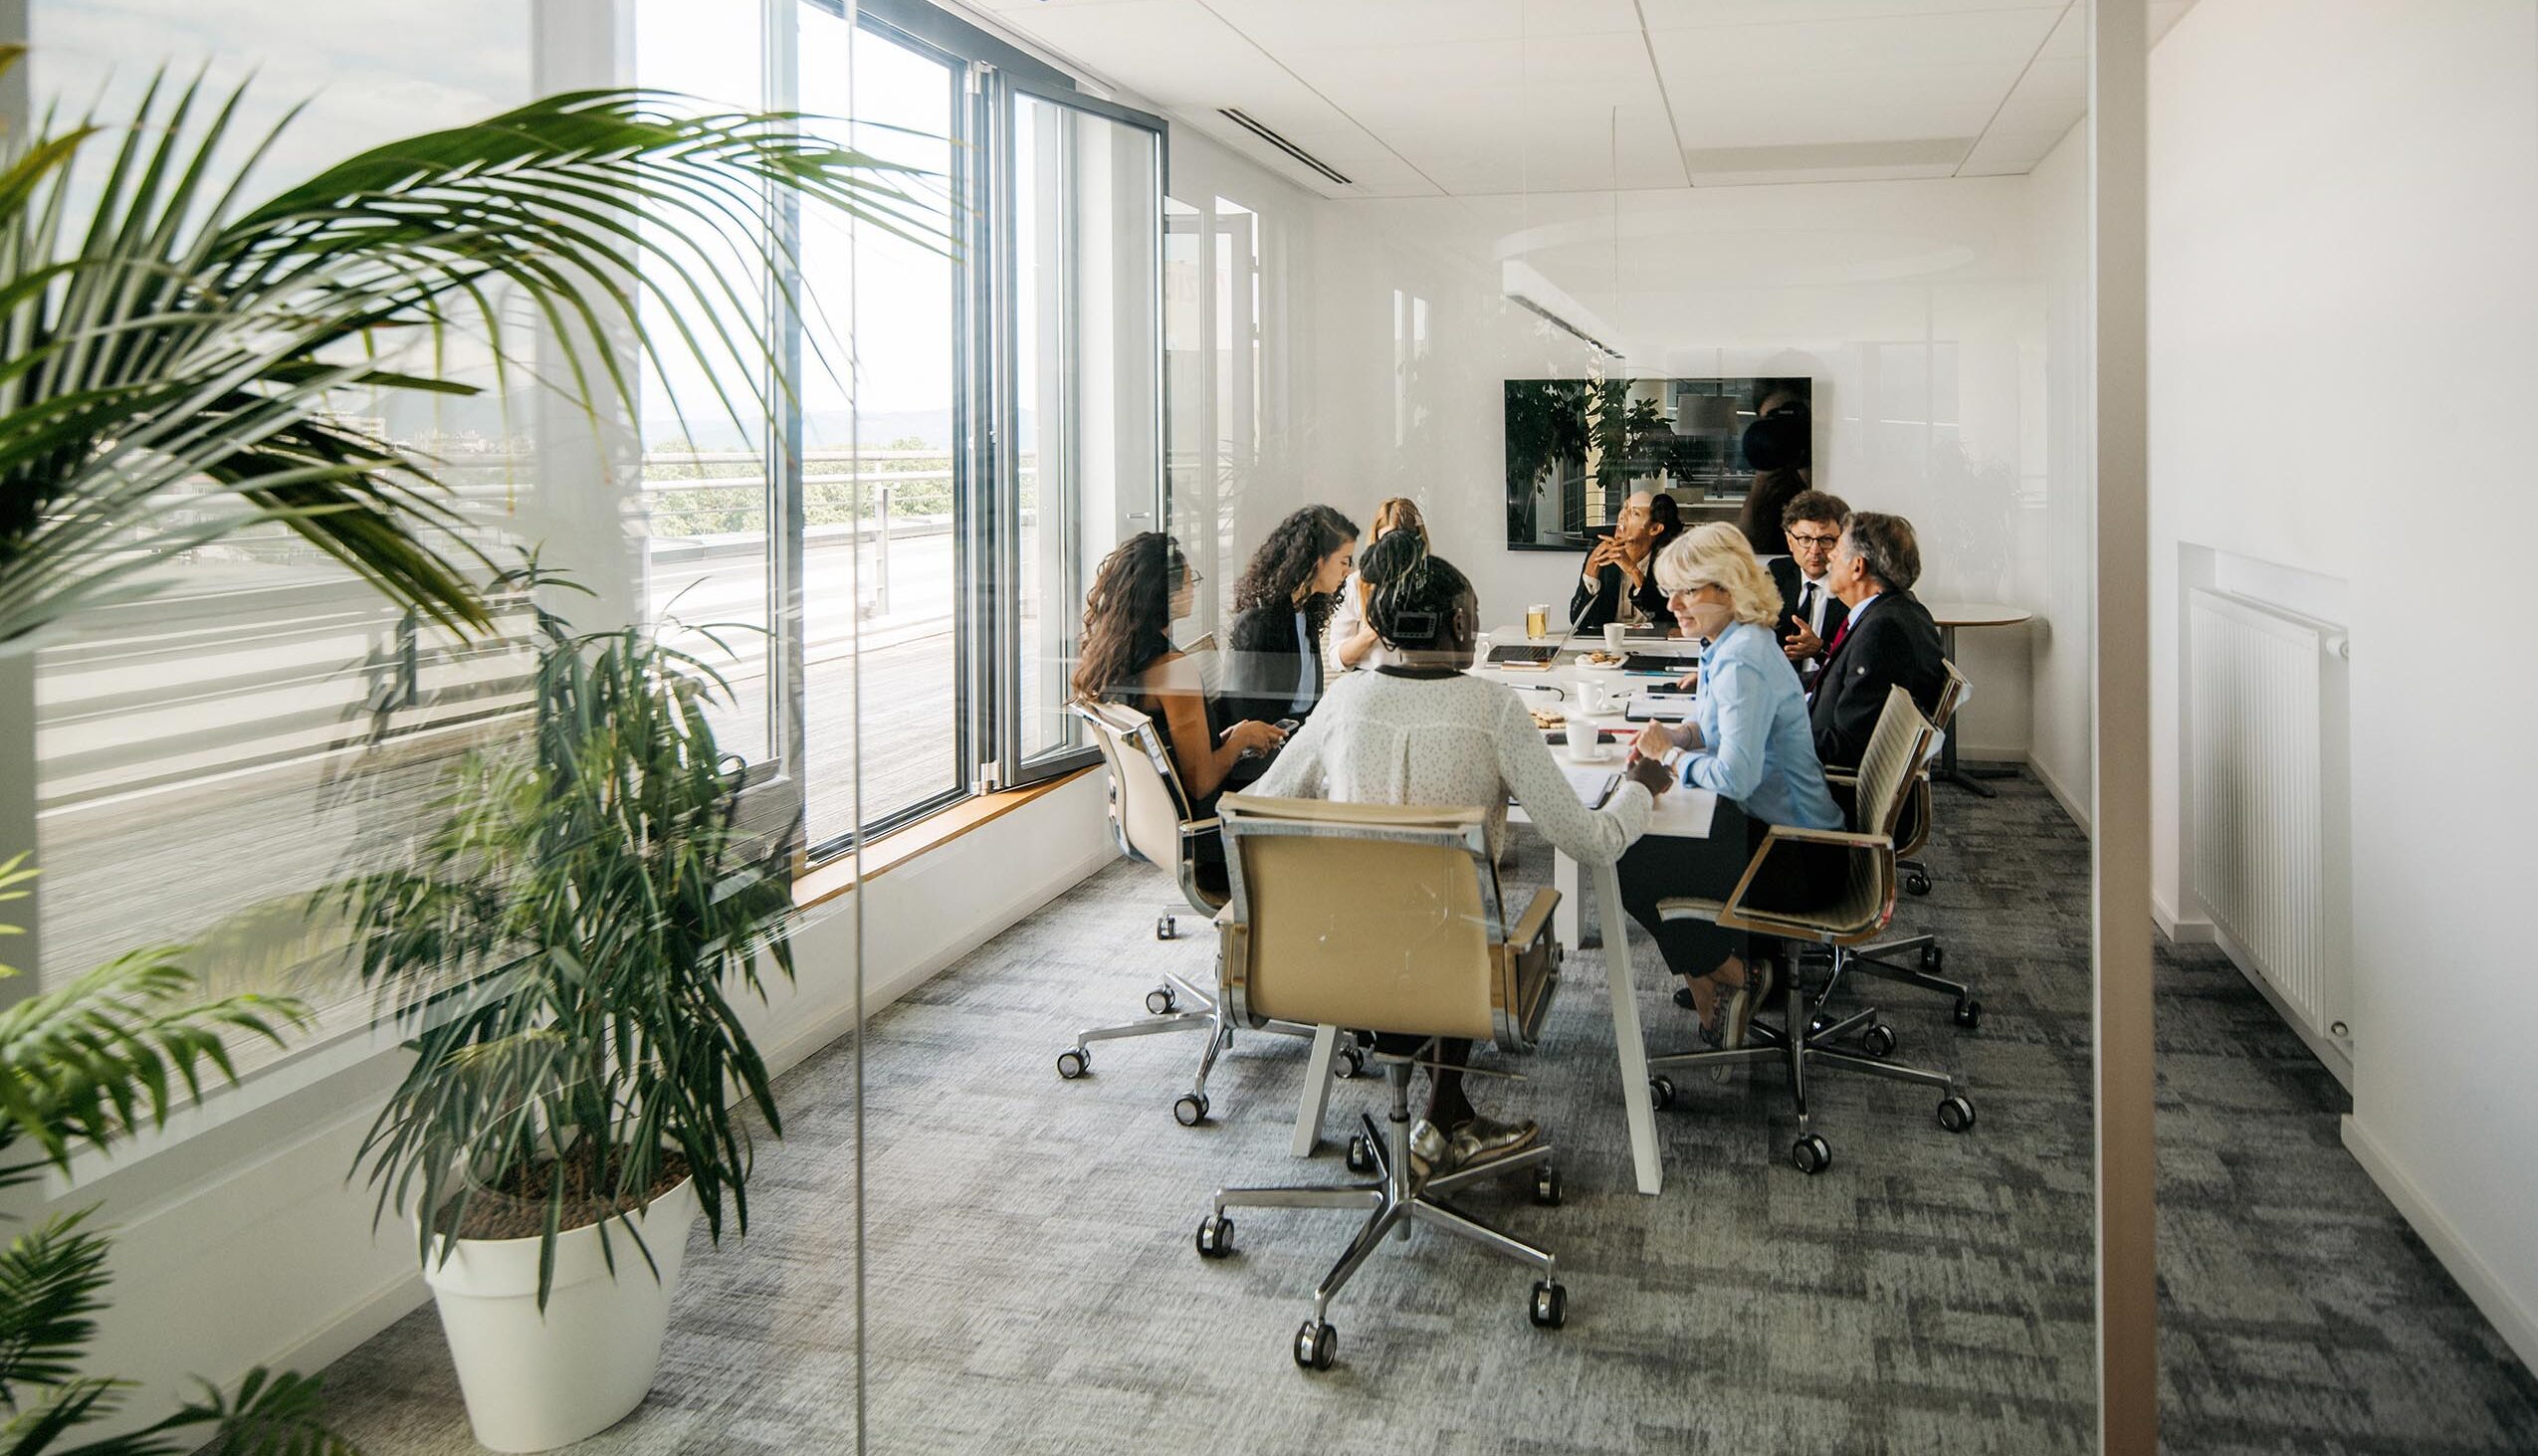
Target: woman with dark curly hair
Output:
[(1129, 659), (1285, 597)]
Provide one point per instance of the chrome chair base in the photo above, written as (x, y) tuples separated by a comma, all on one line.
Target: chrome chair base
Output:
[(1391, 1202), (1165, 1005), (1914, 961), (1814, 1048)]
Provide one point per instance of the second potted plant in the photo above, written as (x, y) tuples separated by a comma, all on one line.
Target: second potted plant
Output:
[(565, 944)]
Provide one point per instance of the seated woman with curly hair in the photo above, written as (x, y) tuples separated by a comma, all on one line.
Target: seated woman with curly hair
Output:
[(1285, 597), (1127, 658)]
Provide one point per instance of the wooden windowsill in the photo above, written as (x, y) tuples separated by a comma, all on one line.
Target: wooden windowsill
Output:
[(827, 882)]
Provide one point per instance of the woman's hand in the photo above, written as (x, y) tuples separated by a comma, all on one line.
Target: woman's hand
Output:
[(1653, 741), (1689, 682), (1651, 774), (1254, 737)]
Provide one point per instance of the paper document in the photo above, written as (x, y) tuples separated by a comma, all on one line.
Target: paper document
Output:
[(1593, 785), (1660, 707)]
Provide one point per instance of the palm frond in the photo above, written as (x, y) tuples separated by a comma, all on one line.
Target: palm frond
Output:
[(113, 1049), (52, 1283), (176, 364)]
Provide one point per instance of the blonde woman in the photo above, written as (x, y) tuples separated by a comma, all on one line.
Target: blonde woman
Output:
[(1353, 636), (1749, 742)]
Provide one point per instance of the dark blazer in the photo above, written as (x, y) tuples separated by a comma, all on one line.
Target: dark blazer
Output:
[(1895, 644), (1591, 607), (1785, 576), (1264, 668)]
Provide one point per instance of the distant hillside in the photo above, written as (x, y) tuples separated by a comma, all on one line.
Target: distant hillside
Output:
[(832, 429)]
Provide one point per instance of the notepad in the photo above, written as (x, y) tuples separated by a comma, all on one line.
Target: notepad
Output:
[(1595, 784), (1660, 707)]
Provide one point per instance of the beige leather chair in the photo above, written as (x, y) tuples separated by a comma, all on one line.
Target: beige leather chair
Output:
[(1150, 820), (1385, 920), (1846, 913), (1914, 960)]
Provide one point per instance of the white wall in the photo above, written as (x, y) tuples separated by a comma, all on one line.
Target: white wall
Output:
[(2059, 564), (2344, 345), (1919, 307)]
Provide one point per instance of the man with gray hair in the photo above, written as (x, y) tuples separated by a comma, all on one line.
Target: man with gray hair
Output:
[(1887, 640)]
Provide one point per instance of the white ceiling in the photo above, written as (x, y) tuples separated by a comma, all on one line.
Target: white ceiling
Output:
[(1472, 98)]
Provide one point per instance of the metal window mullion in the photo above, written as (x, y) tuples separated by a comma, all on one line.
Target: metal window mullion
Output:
[(996, 677), (786, 666)]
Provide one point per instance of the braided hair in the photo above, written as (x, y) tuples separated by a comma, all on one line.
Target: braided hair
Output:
[(1416, 593), (1284, 565), (1127, 615)]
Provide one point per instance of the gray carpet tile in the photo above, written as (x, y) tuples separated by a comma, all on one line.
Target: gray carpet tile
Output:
[(1033, 1288)]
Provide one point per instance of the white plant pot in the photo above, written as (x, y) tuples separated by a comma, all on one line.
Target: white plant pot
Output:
[(537, 1381)]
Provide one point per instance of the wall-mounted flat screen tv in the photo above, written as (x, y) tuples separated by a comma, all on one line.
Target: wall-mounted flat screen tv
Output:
[(1685, 438)]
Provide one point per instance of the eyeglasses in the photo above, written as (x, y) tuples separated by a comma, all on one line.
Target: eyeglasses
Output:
[(1811, 540)]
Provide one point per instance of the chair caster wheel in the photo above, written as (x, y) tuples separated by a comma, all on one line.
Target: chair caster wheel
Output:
[(1317, 1346), (1878, 1040), (1160, 1001), (1955, 1113), (1348, 1063), (1074, 1064), (1933, 959), (1360, 1155), (1969, 1014), (1917, 884), (1547, 1186), (1215, 1236), (1168, 927), (1549, 1309), (1811, 1154), (1660, 1092), (1192, 1110)]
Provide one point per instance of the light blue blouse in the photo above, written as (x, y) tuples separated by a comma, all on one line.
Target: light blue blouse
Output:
[(1760, 750)]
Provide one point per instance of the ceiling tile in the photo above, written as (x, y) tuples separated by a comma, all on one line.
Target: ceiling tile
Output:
[(1284, 25), (1886, 40), (1679, 14)]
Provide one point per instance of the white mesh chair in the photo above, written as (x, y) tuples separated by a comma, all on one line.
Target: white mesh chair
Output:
[(1845, 912), (1151, 821), (1387, 919)]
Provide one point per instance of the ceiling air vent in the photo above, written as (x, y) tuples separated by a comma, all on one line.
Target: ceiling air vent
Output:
[(1283, 144)]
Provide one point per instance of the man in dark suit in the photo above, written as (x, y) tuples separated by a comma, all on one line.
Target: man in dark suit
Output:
[(1810, 612), (1887, 640)]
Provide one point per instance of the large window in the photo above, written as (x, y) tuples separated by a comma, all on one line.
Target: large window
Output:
[(977, 419), (890, 559)]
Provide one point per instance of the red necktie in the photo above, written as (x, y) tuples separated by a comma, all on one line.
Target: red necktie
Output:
[(1835, 645)]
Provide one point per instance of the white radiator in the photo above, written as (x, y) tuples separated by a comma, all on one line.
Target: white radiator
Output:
[(2269, 803)]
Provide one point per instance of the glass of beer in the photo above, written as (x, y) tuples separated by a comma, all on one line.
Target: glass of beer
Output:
[(1538, 621)]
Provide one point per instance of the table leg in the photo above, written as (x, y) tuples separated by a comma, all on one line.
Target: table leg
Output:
[(1948, 772), (1633, 1049)]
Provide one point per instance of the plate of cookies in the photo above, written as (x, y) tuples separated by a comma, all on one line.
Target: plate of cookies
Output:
[(1601, 661)]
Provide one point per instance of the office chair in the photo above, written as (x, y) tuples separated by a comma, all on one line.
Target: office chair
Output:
[(1151, 821), (1843, 914), (1914, 960), (1387, 919)]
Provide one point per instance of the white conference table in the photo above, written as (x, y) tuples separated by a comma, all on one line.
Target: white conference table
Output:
[(1680, 813)]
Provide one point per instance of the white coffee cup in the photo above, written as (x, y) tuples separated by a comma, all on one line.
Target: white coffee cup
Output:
[(1613, 632), (1585, 745), (1591, 696)]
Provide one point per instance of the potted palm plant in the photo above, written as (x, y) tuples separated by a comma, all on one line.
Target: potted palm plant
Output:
[(565, 946)]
